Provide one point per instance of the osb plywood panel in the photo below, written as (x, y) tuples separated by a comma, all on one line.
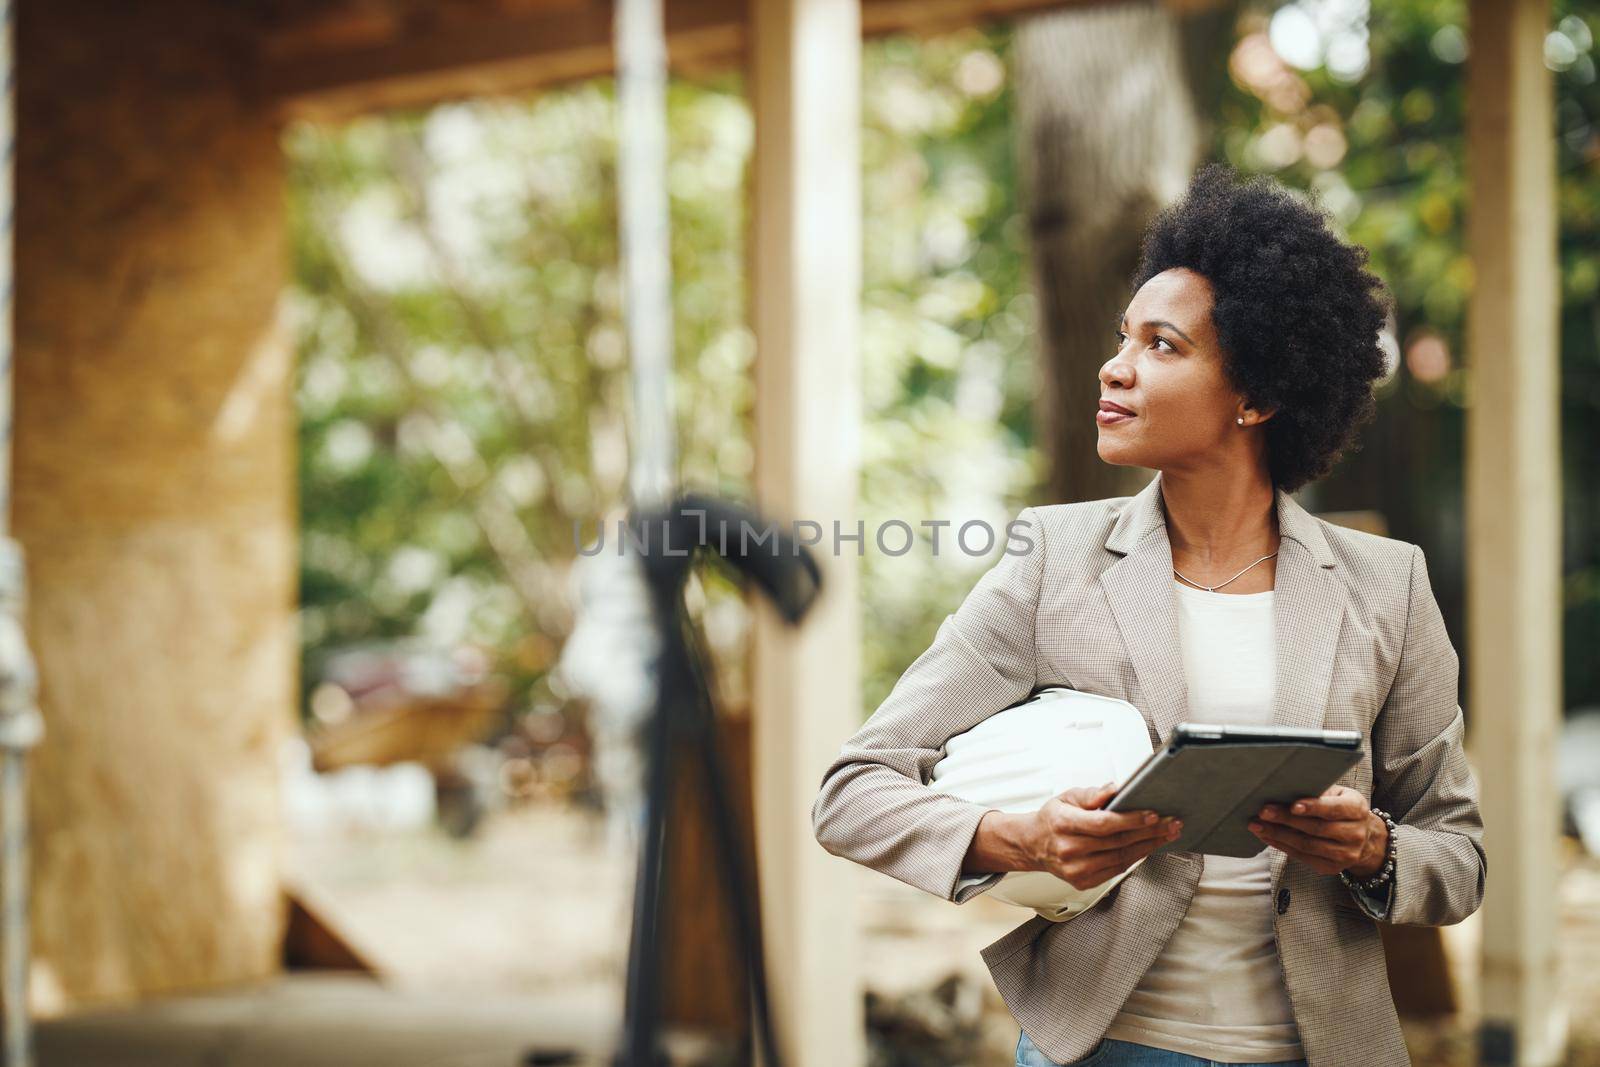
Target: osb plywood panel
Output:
[(153, 498)]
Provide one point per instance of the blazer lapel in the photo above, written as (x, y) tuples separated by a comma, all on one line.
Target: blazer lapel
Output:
[(1138, 589), (1307, 611), (1308, 608)]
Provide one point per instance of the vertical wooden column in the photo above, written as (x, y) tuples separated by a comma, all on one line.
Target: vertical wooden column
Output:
[(1513, 524), (154, 493), (804, 81)]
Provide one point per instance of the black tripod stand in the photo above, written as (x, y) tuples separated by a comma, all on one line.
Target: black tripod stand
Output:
[(684, 720)]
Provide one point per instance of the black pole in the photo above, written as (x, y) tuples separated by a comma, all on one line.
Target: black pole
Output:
[(684, 718)]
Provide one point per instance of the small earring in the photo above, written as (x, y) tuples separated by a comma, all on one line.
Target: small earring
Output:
[(1240, 420)]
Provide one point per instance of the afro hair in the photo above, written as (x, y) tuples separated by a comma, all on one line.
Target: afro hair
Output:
[(1297, 314)]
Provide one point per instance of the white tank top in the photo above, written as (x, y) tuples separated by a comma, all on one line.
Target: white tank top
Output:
[(1217, 990)]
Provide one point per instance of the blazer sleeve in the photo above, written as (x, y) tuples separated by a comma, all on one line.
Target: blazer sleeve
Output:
[(875, 806), (1422, 778)]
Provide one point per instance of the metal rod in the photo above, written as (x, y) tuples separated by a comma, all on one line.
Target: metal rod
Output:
[(14, 873), (641, 47), (641, 51), (20, 723), (8, 146)]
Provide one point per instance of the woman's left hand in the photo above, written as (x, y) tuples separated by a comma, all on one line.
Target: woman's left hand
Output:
[(1331, 833)]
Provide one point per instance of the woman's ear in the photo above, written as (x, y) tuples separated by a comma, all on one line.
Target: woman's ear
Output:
[(1254, 416)]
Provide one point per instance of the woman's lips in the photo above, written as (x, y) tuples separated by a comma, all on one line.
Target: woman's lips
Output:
[(1110, 417)]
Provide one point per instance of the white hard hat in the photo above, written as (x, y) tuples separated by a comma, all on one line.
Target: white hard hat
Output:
[(1018, 758)]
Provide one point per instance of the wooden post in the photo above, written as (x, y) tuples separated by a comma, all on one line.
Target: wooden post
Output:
[(154, 480), (804, 81), (1513, 465)]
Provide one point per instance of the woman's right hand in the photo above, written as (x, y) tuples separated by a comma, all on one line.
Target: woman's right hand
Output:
[(1073, 839)]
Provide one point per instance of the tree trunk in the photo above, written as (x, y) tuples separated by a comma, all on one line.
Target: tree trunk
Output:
[(1108, 133)]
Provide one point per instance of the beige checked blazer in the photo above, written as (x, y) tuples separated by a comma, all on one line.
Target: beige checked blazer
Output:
[(1360, 645)]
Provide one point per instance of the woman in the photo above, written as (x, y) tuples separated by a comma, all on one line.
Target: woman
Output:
[(1240, 370)]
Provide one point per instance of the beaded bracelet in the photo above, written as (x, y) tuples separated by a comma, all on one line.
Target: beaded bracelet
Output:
[(1385, 873)]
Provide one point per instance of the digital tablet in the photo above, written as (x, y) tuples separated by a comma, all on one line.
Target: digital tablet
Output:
[(1216, 777)]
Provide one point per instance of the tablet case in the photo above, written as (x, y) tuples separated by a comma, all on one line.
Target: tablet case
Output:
[(1217, 788)]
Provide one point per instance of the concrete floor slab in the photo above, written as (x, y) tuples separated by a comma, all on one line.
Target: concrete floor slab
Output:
[(328, 1021)]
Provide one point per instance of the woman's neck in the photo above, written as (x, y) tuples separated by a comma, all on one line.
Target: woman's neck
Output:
[(1219, 517)]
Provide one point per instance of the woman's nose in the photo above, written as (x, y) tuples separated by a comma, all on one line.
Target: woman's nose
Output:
[(1117, 371)]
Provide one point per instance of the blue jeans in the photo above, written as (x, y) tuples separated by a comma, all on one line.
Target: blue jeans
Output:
[(1113, 1053)]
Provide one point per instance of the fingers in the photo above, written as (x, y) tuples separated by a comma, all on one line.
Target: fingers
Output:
[(1108, 864), (1326, 833), (1089, 797), (1338, 802), (1085, 814), (1295, 841), (1110, 823), (1320, 864), (1344, 830), (1158, 832), (1085, 861)]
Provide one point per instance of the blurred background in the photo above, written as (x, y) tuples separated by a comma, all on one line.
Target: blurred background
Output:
[(322, 382)]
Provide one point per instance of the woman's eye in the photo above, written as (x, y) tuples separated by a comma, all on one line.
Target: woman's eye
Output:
[(1122, 339)]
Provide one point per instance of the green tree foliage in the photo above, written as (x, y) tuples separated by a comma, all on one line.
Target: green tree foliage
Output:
[(462, 383), (1370, 112), (462, 378), (947, 334)]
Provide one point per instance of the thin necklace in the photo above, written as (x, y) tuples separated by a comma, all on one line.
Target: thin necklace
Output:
[(1214, 588)]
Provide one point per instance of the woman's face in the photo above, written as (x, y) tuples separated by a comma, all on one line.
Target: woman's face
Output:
[(1167, 370)]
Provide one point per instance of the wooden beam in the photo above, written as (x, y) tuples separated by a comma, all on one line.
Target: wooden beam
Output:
[(805, 255), (1513, 487), (342, 60), (705, 986), (311, 942), (493, 54), (881, 17)]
